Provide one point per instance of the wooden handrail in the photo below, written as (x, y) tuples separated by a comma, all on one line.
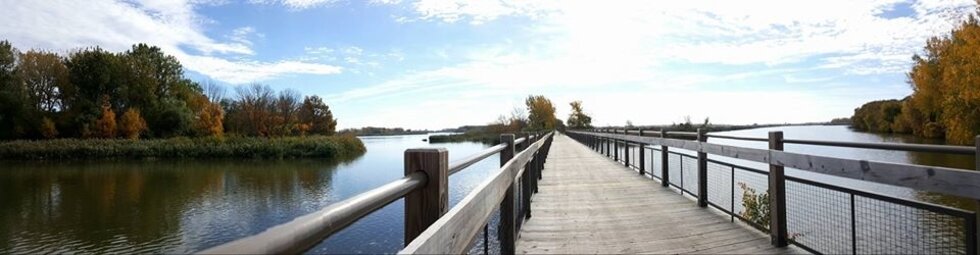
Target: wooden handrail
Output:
[(453, 232), (951, 181), (304, 232)]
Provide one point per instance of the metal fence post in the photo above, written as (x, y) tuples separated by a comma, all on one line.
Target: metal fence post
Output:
[(702, 171), (425, 205), (643, 163), (777, 195), (664, 174), (508, 226)]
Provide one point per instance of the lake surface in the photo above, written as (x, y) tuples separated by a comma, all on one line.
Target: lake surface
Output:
[(178, 206), (185, 206), (821, 218)]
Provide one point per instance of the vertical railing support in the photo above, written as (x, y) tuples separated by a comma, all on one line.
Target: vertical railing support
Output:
[(526, 182), (608, 145), (626, 151), (664, 173), (425, 205), (702, 171), (615, 147), (976, 213), (508, 224), (643, 162), (777, 194)]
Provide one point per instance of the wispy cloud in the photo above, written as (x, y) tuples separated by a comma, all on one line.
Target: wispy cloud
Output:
[(116, 25), (297, 4)]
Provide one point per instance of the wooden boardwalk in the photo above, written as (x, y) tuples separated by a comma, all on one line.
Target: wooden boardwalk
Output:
[(589, 204)]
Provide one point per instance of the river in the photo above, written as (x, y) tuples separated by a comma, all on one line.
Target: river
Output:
[(182, 206)]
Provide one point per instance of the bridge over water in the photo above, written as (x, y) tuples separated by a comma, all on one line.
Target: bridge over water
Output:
[(627, 191)]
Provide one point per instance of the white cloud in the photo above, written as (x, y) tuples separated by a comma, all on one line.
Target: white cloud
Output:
[(668, 53), (767, 32), (296, 4), (172, 25), (242, 72), (242, 34)]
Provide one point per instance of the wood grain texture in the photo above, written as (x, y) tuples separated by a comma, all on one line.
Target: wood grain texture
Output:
[(454, 232), (590, 204), (424, 206)]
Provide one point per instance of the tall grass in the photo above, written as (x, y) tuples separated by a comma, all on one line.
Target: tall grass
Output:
[(230, 147)]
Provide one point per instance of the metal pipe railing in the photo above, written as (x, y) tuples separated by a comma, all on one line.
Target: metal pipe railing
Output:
[(932, 148), (306, 231)]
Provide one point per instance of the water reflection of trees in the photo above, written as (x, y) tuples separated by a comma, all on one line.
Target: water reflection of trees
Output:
[(99, 206)]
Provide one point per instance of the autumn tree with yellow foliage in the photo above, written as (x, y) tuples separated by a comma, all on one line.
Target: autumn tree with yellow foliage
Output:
[(541, 113), (945, 80), (131, 125)]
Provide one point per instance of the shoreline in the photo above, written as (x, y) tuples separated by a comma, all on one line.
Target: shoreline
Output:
[(324, 147)]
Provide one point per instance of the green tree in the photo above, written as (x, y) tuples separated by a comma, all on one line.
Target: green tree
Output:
[(94, 73), (541, 113), (316, 116), (578, 119), (44, 75), (13, 98)]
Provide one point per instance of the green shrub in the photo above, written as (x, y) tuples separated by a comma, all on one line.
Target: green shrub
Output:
[(182, 147)]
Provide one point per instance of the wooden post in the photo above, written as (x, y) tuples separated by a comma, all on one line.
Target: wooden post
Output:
[(777, 195), (526, 183), (608, 145), (424, 206), (702, 172), (665, 175), (976, 213), (508, 220), (626, 151), (615, 147), (643, 162)]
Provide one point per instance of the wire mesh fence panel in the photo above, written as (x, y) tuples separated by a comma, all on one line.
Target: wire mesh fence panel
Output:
[(887, 227), (654, 167), (690, 174), (751, 199), (720, 186), (818, 218), (674, 165)]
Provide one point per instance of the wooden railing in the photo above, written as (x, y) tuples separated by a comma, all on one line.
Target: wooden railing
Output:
[(429, 228), (950, 181)]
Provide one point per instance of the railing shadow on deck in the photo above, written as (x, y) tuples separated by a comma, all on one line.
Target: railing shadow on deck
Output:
[(430, 226), (817, 216)]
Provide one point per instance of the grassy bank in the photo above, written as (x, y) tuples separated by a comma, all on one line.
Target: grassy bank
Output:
[(480, 137), (229, 147)]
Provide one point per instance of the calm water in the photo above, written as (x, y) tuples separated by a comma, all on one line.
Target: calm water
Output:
[(843, 133), (187, 206), (822, 218)]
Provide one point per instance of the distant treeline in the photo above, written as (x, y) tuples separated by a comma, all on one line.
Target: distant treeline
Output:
[(376, 131), (538, 115), (945, 102), (142, 92)]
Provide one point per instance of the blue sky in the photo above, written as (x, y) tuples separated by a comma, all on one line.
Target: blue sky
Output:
[(445, 63)]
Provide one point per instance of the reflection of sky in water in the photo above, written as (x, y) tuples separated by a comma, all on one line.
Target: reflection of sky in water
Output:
[(186, 206)]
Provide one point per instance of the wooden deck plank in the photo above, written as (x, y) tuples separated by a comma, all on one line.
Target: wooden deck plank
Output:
[(590, 204)]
